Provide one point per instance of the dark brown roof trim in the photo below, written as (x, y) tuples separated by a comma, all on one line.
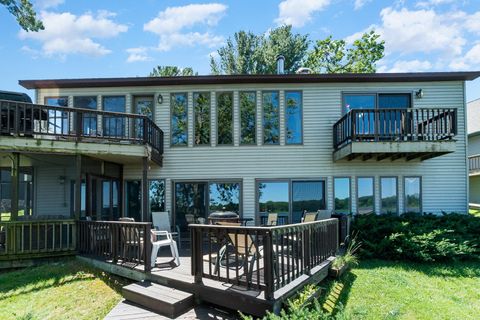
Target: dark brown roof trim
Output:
[(236, 79)]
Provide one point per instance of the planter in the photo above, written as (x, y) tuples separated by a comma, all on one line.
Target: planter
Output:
[(337, 272)]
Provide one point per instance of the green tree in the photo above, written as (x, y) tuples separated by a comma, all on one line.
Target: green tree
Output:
[(23, 11), (248, 53), (333, 56), (171, 71)]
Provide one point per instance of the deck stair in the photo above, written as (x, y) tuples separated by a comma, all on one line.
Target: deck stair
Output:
[(163, 300)]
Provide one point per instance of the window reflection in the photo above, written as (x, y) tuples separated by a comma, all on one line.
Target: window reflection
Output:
[(156, 195), (271, 119), (293, 117), (201, 106), (57, 120), (89, 119), (307, 196), (388, 187), (114, 126), (224, 197), (225, 118), (342, 195), (179, 119), (413, 202), (365, 196), (248, 106), (133, 199), (273, 198)]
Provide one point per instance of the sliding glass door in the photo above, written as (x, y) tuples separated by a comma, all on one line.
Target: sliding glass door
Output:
[(190, 203)]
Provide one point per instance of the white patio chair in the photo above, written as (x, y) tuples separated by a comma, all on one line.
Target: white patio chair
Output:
[(161, 222), (157, 244)]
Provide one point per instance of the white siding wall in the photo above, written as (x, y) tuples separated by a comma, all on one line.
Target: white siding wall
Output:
[(52, 197), (444, 179)]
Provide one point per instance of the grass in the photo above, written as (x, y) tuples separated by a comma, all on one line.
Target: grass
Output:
[(5, 216), (397, 290), (62, 290), (474, 212)]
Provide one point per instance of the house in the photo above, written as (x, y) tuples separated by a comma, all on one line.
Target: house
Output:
[(473, 125), (100, 149)]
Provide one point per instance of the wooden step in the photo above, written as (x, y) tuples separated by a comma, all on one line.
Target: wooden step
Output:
[(163, 300)]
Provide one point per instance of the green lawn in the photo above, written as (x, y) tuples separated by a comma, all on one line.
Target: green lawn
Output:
[(64, 290), (474, 212), (398, 290)]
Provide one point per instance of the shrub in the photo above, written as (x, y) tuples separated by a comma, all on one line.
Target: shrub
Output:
[(416, 237)]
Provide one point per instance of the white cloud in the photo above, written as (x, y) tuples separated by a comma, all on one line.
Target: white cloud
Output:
[(299, 12), (360, 3), (45, 4), (432, 3), (411, 66), (171, 25), (472, 23), (138, 54), (471, 58), (66, 33)]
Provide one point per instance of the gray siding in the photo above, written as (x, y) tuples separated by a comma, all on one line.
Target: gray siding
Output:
[(444, 179)]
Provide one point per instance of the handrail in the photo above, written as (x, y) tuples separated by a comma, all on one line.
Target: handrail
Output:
[(262, 258), (474, 163), (28, 119), (413, 124)]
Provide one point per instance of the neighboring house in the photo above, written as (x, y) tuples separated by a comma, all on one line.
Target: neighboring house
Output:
[(251, 144), (473, 126)]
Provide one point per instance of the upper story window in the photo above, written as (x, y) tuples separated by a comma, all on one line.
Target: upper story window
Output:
[(225, 118), (271, 119), (179, 119), (112, 125), (355, 101), (57, 120), (248, 115), (89, 120), (57, 101), (201, 109), (293, 117)]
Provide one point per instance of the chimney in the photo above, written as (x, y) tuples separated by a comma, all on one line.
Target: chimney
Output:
[(280, 64)]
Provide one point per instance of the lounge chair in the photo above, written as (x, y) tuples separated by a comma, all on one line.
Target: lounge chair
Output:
[(309, 217), (161, 222), (272, 219), (167, 241)]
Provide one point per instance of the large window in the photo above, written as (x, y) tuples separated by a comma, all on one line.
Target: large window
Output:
[(389, 199), (365, 195), (156, 195), (133, 199), (224, 197), (112, 125), (290, 199), (341, 187), (307, 196), (57, 120), (89, 119), (293, 117), (225, 118), (25, 192), (179, 119), (413, 194), (201, 109), (271, 118), (358, 101), (248, 123)]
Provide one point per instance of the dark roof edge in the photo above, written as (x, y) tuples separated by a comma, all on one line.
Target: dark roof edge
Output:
[(238, 79)]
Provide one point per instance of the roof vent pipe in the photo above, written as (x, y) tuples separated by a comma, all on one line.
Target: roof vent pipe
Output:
[(280, 64)]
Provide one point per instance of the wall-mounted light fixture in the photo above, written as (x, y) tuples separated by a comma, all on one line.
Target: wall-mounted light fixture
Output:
[(160, 99), (419, 93), (61, 180)]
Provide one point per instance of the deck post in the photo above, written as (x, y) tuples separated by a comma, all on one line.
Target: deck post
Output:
[(145, 190), (78, 186), (15, 185), (269, 265), (147, 247)]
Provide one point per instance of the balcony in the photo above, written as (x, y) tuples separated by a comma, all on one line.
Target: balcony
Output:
[(111, 136), (409, 134)]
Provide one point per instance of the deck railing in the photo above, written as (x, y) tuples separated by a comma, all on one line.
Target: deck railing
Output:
[(36, 238), (26, 119), (261, 258), (414, 124), (127, 243), (474, 163)]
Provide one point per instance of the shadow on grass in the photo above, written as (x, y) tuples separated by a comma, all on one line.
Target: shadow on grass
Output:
[(336, 292), (48, 275)]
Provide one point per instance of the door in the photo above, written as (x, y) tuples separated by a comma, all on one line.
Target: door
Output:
[(143, 105), (110, 199), (394, 122), (190, 203)]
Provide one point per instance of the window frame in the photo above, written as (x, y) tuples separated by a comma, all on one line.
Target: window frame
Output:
[(217, 93), (263, 118), (23, 169), (420, 191), (194, 119), (396, 190), (376, 94), (286, 119), (105, 117), (170, 120), (374, 209), (290, 193), (240, 118), (349, 192)]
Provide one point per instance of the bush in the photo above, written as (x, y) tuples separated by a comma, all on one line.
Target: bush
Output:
[(416, 237)]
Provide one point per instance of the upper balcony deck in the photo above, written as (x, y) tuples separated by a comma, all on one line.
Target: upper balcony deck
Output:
[(112, 136), (415, 133)]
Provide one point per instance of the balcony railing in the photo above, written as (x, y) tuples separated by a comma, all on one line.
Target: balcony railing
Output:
[(26, 119), (474, 163), (389, 125)]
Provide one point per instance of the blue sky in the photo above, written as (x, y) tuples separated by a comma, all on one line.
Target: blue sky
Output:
[(116, 38)]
